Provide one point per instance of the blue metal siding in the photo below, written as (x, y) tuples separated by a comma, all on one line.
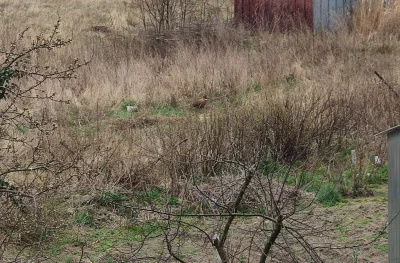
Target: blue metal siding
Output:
[(318, 14), (394, 196), (326, 13)]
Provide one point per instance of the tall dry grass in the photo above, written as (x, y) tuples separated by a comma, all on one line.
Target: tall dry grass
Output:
[(309, 96), (229, 61), (234, 67)]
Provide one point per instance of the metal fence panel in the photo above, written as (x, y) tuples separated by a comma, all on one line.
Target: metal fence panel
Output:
[(394, 196), (318, 14), (327, 13), (264, 13)]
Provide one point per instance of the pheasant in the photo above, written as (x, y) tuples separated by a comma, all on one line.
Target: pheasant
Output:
[(200, 103)]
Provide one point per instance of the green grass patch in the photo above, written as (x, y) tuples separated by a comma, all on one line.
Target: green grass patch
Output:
[(22, 129), (121, 111), (138, 233), (328, 195), (104, 239), (111, 198), (157, 196), (150, 195), (380, 199), (105, 245), (374, 236), (364, 220), (247, 44), (60, 242), (256, 87), (243, 259), (84, 219), (271, 167), (381, 247), (344, 238), (68, 260), (377, 175), (341, 228), (55, 249), (167, 110), (345, 154)]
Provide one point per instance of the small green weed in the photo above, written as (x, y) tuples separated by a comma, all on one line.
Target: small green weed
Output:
[(247, 44), (173, 200), (137, 233), (111, 198), (219, 105), (328, 195), (381, 247), (304, 179), (55, 249), (380, 199), (291, 180), (271, 166), (157, 196), (356, 251), (121, 111), (84, 219), (105, 245), (22, 129), (364, 220), (60, 243), (167, 110), (376, 235), (290, 80), (256, 87), (150, 196), (377, 175), (341, 228), (104, 239), (344, 237), (128, 102)]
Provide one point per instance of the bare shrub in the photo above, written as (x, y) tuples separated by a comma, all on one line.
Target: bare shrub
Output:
[(166, 15), (30, 165), (301, 125)]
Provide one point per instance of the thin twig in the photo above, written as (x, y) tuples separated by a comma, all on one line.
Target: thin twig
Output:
[(25, 195), (387, 84)]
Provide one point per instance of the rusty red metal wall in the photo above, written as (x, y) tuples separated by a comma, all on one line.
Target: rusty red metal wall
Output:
[(270, 13)]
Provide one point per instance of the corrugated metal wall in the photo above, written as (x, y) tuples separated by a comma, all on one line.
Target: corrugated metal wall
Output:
[(269, 13), (394, 196), (327, 13), (318, 14)]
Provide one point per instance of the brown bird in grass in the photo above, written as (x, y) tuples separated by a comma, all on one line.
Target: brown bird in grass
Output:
[(200, 103)]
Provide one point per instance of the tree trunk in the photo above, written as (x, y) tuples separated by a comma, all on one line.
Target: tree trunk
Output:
[(272, 238)]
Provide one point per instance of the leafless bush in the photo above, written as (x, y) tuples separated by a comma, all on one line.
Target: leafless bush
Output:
[(301, 125), (166, 15), (234, 148), (30, 163)]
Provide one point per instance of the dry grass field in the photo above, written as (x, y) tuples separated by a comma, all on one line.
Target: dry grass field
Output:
[(298, 102)]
